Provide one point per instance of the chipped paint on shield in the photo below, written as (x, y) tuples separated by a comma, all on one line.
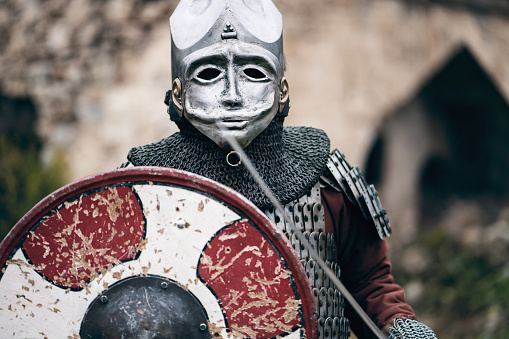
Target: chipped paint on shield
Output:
[(246, 273), (82, 238), (99, 231)]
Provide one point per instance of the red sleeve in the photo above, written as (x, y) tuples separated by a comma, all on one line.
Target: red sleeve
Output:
[(365, 267)]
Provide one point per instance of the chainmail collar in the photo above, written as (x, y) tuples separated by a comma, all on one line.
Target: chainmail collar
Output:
[(289, 159)]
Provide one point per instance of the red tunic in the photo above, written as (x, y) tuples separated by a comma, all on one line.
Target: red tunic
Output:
[(365, 267)]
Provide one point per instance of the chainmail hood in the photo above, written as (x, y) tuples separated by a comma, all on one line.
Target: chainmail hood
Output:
[(289, 159)]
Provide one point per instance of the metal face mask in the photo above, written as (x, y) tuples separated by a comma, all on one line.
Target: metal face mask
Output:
[(231, 88), (228, 66)]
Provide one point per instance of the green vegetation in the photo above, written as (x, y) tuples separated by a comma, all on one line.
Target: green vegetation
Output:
[(463, 290), (24, 180)]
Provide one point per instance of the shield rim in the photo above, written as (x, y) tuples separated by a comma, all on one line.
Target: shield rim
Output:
[(185, 179)]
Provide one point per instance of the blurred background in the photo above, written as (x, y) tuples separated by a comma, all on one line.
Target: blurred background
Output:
[(414, 92)]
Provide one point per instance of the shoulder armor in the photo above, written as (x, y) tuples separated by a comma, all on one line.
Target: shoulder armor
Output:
[(351, 182)]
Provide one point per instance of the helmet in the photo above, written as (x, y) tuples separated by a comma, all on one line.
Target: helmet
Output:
[(227, 67)]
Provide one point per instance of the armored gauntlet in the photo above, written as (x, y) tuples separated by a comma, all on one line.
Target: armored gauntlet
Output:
[(410, 329)]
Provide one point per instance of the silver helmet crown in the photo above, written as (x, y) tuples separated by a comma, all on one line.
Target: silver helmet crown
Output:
[(196, 24)]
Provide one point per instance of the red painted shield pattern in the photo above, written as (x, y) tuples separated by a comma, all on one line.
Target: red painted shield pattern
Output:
[(86, 236), (245, 272), (147, 221)]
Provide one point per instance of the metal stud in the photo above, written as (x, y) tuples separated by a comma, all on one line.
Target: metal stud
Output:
[(181, 223)]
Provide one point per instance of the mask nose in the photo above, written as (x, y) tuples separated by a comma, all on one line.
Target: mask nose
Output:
[(231, 96)]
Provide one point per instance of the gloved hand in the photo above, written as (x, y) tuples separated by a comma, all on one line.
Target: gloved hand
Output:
[(410, 329)]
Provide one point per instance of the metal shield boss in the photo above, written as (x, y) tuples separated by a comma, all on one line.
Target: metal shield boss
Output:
[(148, 252)]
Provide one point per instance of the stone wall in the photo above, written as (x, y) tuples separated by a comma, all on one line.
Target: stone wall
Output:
[(73, 58), (97, 70)]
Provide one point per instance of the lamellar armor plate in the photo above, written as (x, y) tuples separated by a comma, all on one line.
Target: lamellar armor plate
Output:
[(352, 183), (307, 214)]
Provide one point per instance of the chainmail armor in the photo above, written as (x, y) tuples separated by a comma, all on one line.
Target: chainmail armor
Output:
[(410, 329), (289, 159)]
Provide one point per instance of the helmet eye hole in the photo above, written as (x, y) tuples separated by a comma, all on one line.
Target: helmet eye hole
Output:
[(254, 73), (209, 74)]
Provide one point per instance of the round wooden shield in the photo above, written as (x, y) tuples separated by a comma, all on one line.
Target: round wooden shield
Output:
[(153, 250)]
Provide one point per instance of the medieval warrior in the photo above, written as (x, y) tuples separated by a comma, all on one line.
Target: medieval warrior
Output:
[(228, 82)]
